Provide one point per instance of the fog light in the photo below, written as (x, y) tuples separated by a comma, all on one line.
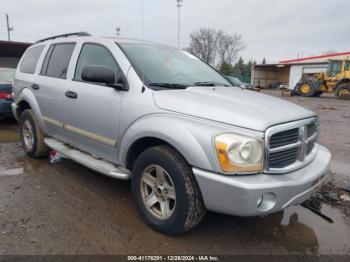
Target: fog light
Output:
[(266, 202)]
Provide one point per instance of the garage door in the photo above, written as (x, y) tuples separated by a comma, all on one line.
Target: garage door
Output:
[(296, 72)]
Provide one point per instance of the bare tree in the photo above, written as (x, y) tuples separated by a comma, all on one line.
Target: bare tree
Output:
[(228, 47), (203, 44), (210, 44)]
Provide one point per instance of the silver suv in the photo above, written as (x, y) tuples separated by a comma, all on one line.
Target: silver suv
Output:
[(187, 139)]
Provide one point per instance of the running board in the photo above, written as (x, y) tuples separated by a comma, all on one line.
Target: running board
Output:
[(101, 166)]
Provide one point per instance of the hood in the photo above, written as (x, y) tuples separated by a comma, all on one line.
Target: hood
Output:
[(231, 105)]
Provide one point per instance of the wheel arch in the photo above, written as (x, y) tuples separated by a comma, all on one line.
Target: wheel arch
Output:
[(140, 146), (172, 131), (26, 100), (340, 82)]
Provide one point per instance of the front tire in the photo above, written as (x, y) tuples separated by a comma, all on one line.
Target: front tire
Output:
[(343, 91), (307, 88), (32, 138), (166, 193)]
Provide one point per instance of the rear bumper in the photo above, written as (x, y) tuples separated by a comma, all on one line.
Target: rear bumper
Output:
[(14, 110), (261, 194), (5, 107)]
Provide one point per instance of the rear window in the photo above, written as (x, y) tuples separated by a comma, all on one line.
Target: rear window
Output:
[(57, 60), (31, 59)]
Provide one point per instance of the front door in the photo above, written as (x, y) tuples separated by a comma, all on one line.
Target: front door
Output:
[(92, 110)]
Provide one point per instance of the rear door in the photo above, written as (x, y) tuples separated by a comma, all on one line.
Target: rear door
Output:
[(50, 86), (92, 110)]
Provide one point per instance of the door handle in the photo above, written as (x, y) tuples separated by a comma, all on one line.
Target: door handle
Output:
[(71, 94), (35, 86)]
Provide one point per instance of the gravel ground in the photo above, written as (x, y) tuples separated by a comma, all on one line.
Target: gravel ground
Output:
[(65, 208)]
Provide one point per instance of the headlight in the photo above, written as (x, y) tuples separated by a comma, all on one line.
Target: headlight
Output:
[(238, 153)]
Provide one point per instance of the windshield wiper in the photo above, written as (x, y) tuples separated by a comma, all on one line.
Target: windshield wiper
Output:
[(169, 85), (207, 83)]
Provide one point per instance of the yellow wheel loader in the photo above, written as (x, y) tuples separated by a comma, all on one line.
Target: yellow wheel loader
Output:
[(335, 81)]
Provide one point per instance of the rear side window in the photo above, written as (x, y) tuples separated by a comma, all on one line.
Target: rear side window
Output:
[(30, 59), (57, 60), (94, 54)]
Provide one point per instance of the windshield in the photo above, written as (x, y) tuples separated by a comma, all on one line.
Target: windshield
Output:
[(334, 68), (169, 67), (235, 80), (7, 75)]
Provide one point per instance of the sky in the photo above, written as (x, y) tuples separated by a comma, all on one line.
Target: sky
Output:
[(274, 29)]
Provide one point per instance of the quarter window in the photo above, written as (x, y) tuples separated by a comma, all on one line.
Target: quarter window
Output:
[(57, 60), (30, 59), (94, 54)]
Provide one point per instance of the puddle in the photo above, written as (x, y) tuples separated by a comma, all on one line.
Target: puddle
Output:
[(299, 230), (11, 172), (340, 167), (9, 135)]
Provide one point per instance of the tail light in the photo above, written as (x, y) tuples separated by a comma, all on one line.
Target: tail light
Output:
[(5, 95)]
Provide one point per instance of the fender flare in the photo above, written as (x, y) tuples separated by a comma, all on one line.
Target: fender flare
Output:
[(341, 81), (174, 130), (27, 96)]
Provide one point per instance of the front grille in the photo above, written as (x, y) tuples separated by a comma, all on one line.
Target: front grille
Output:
[(309, 147), (284, 138), (288, 146), (283, 158), (311, 129)]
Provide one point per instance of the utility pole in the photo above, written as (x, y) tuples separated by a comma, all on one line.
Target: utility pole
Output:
[(118, 29), (9, 29), (179, 5)]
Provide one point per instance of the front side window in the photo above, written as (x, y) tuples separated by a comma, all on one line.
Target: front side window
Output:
[(30, 59), (94, 54), (57, 60), (160, 65)]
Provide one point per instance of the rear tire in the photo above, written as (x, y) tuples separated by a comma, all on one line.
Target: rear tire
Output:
[(32, 137), (186, 208)]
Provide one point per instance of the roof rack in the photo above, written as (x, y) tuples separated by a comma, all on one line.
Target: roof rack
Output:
[(64, 35)]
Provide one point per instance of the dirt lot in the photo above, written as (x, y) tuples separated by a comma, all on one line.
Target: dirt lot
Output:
[(65, 208)]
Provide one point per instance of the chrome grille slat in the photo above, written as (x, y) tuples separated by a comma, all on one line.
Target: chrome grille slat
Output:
[(284, 138), (290, 146)]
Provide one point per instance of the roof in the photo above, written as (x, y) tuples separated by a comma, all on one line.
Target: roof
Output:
[(12, 49), (315, 59)]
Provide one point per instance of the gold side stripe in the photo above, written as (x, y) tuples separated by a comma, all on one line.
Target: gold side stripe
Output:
[(91, 135), (81, 132), (53, 122)]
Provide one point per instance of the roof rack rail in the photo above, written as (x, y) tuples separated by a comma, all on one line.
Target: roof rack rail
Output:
[(64, 35)]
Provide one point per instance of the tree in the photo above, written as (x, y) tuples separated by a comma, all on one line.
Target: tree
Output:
[(212, 45), (263, 61), (203, 44), (226, 68), (228, 47)]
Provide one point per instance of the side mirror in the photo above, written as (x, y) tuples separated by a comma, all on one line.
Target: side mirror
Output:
[(103, 75)]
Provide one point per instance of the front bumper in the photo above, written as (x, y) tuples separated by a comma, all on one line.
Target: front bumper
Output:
[(261, 194), (5, 107)]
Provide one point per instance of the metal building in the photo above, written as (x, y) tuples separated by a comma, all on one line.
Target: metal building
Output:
[(289, 72), (11, 52)]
